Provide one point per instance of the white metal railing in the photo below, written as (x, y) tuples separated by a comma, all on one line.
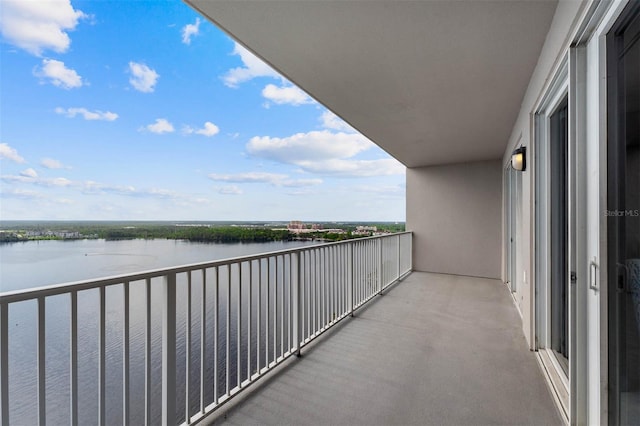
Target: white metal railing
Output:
[(217, 327)]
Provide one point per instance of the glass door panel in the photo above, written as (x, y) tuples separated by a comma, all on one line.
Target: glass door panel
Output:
[(623, 217), (559, 221)]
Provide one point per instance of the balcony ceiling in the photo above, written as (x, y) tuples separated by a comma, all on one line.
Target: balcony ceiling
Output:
[(431, 82)]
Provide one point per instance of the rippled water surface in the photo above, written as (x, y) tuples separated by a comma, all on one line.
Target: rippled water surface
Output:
[(40, 263)]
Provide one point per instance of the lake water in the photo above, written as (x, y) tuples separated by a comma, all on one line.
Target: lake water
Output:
[(40, 263)]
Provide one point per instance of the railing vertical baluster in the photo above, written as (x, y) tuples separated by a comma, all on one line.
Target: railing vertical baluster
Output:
[(73, 360), (275, 310), (259, 318), (399, 257), (282, 286), (249, 319), (312, 293), (323, 304), (169, 350), (380, 283), (360, 276), (373, 280), (305, 284), (318, 302), (352, 276), (357, 266), (298, 314), (325, 286), (187, 353), (4, 363), (147, 355), (332, 281), (268, 310), (203, 339), (290, 317), (367, 271), (339, 279), (125, 355), (101, 359), (238, 327), (367, 268), (216, 325), (42, 385), (228, 334), (344, 283)]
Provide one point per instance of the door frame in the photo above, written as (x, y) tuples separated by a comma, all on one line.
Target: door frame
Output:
[(555, 94)]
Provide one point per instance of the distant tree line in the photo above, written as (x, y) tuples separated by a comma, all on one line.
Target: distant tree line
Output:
[(209, 233)]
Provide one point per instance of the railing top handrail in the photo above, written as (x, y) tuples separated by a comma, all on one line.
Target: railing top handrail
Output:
[(91, 283)]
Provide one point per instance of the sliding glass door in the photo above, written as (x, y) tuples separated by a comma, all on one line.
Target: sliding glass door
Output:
[(623, 216)]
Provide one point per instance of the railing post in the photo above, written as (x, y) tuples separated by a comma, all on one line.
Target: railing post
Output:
[(73, 361), (380, 265), (351, 276), (125, 355), (399, 256), (169, 350), (298, 311), (4, 363), (102, 357), (42, 386)]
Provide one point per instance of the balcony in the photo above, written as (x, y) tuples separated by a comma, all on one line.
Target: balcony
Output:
[(378, 345), (432, 349)]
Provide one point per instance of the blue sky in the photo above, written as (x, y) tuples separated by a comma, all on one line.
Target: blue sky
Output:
[(143, 110)]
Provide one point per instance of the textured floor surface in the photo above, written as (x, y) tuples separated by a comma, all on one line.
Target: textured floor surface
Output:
[(433, 350)]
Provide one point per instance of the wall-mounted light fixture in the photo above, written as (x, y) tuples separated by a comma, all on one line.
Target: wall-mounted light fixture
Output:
[(519, 159)]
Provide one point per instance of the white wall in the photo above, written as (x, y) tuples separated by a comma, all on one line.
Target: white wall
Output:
[(455, 212)]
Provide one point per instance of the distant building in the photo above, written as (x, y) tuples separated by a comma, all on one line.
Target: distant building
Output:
[(365, 230)]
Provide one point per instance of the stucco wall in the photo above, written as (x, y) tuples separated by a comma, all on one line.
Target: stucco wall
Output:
[(455, 212)]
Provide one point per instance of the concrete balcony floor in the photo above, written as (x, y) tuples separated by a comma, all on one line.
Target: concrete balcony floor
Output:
[(433, 350)]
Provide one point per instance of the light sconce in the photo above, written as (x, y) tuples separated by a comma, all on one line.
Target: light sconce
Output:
[(519, 159)]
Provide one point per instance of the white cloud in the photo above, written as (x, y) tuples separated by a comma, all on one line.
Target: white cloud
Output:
[(38, 25), (190, 30), (299, 183), (286, 95), (253, 67), (86, 114), (312, 146), (91, 187), (357, 168), (230, 190), (10, 153), (50, 163), (26, 178), (23, 194), (390, 190), (324, 152), (143, 78), (29, 173), (58, 74), (208, 130), (159, 127), (333, 122), (274, 179), (250, 177)]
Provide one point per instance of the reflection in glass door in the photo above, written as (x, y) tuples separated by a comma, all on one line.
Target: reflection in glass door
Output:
[(559, 233), (623, 217)]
